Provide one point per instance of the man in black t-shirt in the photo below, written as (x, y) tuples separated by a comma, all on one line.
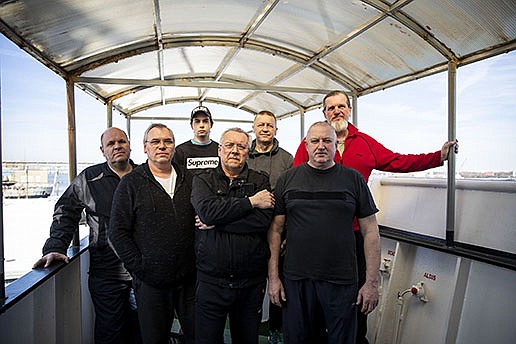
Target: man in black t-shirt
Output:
[(201, 152), (315, 204)]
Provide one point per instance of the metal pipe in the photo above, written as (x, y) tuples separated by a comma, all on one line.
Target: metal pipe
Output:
[(450, 200), (72, 142), (128, 125), (109, 108), (355, 110), (302, 122)]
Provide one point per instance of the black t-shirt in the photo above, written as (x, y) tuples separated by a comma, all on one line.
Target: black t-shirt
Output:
[(319, 206), (197, 157)]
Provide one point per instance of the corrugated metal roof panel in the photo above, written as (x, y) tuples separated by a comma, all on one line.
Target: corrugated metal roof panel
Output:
[(275, 54), (363, 61), (467, 26)]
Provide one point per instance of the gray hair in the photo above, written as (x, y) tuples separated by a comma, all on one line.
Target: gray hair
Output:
[(237, 130), (156, 125)]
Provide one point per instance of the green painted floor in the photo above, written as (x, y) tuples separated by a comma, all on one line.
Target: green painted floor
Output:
[(262, 338)]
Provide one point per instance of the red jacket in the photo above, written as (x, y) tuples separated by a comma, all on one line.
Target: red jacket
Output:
[(364, 154)]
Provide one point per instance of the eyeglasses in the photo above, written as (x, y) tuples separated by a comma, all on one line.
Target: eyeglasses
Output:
[(156, 142), (230, 145)]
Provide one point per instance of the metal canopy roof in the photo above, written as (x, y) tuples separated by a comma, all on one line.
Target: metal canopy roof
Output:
[(279, 55)]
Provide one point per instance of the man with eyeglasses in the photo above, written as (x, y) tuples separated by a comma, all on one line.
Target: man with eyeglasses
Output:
[(201, 152), (234, 208), (363, 153), (316, 203), (152, 231)]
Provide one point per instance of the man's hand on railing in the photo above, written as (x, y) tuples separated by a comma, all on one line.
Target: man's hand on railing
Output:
[(50, 258)]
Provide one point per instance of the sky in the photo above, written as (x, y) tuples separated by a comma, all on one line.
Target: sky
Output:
[(410, 118)]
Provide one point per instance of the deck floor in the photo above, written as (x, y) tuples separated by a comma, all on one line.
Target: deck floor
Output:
[(262, 338)]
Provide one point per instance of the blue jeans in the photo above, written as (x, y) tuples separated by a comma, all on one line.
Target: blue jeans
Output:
[(116, 320)]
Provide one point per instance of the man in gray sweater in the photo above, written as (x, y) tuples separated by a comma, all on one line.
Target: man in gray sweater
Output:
[(266, 155)]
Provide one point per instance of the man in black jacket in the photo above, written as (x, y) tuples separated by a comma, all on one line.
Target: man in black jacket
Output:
[(152, 231), (109, 282), (235, 209)]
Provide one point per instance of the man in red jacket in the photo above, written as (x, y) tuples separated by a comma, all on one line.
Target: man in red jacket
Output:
[(364, 154)]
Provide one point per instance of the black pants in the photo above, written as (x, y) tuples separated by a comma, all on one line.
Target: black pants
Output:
[(361, 317), (307, 299), (214, 303), (116, 320), (157, 306)]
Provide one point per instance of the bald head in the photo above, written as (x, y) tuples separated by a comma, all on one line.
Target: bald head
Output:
[(321, 141), (110, 131), (115, 147)]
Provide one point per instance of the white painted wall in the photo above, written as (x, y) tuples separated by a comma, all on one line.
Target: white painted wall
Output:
[(468, 301), (57, 312), (485, 212)]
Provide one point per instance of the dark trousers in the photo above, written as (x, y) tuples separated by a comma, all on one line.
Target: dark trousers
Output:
[(305, 301), (361, 317), (157, 306), (214, 303), (116, 320)]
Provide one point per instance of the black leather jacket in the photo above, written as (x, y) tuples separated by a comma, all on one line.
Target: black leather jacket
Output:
[(235, 253), (92, 191)]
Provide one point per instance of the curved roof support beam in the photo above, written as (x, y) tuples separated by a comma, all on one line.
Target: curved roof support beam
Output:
[(78, 67), (185, 78), (221, 120), (201, 83), (185, 100), (197, 83)]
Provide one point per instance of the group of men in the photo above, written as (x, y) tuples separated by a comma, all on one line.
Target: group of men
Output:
[(196, 231)]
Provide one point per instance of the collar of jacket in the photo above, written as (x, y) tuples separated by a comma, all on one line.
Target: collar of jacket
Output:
[(352, 130), (254, 153), (147, 172), (243, 176), (108, 171)]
